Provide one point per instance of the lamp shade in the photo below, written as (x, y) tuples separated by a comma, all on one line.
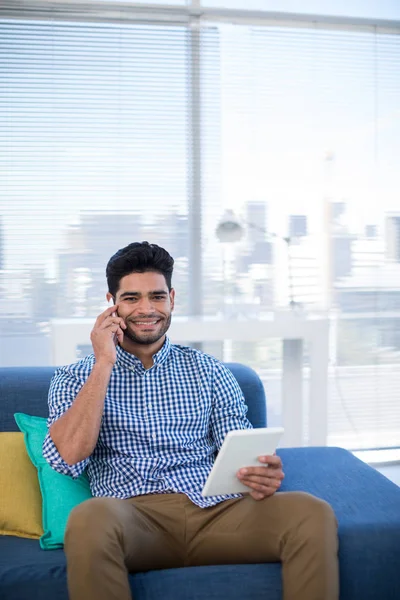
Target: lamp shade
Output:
[(229, 228)]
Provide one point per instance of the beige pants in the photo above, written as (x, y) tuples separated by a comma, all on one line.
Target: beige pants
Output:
[(106, 538)]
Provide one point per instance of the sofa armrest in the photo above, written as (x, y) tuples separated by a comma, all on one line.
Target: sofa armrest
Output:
[(367, 507)]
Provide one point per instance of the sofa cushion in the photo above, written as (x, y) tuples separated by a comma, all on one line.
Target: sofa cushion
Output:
[(20, 498), (367, 506), (236, 582), (22, 560), (60, 493), (26, 572)]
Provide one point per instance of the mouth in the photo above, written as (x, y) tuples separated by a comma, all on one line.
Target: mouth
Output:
[(144, 325)]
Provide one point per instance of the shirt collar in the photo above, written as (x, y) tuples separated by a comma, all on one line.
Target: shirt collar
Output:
[(129, 360)]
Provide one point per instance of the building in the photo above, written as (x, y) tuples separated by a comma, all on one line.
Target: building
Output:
[(372, 295), (342, 257), (256, 220), (341, 244), (172, 233), (371, 231), (82, 263), (392, 237), (24, 340), (24, 343), (298, 226), (338, 209)]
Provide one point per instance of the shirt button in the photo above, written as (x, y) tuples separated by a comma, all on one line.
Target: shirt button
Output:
[(132, 368), (154, 437), (149, 406)]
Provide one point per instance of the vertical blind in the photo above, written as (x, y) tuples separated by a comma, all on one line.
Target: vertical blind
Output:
[(96, 143)]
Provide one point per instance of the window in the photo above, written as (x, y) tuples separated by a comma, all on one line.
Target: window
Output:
[(95, 140), (114, 129)]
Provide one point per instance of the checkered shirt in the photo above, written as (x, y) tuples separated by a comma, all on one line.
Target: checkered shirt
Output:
[(161, 428)]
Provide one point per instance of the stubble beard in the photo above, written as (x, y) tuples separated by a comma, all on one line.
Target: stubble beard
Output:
[(147, 339)]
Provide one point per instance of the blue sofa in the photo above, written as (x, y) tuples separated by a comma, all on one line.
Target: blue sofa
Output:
[(367, 506)]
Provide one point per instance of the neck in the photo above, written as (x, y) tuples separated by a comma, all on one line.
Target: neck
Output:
[(144, 352)]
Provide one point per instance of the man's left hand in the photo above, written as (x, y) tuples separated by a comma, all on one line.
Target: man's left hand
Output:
[(265, 480)]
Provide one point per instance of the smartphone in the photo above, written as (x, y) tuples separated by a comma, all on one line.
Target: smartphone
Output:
[(114, 314), (111, 303)]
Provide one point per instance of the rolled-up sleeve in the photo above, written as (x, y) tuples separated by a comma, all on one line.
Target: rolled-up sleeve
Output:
[(64, 388), (229, 406)]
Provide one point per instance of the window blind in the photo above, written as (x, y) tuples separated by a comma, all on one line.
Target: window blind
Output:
[(309, 134), (94, 138), (109, 129)]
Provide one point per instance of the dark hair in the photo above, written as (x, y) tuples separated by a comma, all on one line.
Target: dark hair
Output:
[(138, 257)]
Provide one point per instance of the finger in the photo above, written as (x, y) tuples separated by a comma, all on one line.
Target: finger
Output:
[(263, 489), (269, 481), (113, 328), (257, 495), (264, 483), (109, 311), (261, 472), (272, 461), (113, 319), (116, 320)]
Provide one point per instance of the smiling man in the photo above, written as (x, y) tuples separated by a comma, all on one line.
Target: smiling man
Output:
[(146, 418)]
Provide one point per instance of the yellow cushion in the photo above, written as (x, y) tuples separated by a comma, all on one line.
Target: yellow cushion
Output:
[(20, 497)]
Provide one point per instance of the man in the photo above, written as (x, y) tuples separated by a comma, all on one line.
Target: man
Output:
[(146, 419)]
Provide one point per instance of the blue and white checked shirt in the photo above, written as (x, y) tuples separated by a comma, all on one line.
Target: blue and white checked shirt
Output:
[(161, 428)]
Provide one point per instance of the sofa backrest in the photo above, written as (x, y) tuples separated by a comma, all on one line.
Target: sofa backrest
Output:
[(25, 389)]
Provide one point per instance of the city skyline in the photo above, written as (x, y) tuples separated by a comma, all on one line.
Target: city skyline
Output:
[(96, 235)]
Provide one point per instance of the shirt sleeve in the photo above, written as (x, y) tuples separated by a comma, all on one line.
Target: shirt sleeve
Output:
[(229, 406), (64, 388)]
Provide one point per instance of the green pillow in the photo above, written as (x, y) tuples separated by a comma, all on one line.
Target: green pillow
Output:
[(60, 493)]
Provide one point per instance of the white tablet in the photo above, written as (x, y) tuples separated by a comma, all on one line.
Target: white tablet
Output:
[(240, 449)]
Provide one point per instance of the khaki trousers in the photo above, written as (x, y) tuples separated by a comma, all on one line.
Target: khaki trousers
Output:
[(106, 538)]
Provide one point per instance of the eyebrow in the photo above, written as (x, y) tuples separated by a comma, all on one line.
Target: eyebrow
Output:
[(152, 293)]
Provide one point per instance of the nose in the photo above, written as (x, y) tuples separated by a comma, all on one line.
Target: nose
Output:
[(145, 306)]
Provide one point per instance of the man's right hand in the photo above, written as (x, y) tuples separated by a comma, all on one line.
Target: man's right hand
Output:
[(107, 331), (76, 432)]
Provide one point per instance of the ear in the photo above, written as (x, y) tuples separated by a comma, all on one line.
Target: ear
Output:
[(172, 298), (110, 297)]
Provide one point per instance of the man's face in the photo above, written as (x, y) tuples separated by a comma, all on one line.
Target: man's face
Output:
[(145, 304)]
